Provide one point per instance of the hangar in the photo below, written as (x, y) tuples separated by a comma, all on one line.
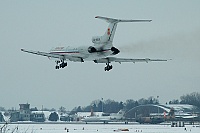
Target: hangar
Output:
[(164, 112)]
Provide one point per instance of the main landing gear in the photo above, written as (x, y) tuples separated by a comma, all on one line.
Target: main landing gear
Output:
[(61, 64), (108, 67)]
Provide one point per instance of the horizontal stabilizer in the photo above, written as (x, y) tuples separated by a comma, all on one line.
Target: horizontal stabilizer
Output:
[(112, 20)]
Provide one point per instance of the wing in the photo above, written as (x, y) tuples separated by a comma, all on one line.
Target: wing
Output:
[(43, 53), (52, 55), (120, 60)]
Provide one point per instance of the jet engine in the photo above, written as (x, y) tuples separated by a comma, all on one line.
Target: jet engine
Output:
[(115, 50), (92, 49)]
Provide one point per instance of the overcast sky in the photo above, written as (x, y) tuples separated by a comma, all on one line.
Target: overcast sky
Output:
[(174, 34)]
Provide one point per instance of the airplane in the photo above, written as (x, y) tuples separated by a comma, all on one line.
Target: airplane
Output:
[(113, 117), (101, 52), (104, 119)]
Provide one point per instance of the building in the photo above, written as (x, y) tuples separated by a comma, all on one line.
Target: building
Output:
[(14, 116), (24, 112), (1, 117), (159, 113), (66, 117), (37, 116)]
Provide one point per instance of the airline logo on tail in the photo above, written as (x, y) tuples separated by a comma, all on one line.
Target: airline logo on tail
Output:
[(108, 31)]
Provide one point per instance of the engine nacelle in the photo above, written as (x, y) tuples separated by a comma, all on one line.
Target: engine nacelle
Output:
[(115, 50), (92, 49)]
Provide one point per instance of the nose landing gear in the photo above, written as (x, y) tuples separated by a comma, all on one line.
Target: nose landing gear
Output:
[(108, 67)]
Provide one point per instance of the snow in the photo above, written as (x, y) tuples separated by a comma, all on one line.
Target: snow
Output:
[(99, 128), (181, 106)]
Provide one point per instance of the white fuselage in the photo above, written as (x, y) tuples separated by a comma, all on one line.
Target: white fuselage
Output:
[(107, 118), (81, 52), (97, 119)]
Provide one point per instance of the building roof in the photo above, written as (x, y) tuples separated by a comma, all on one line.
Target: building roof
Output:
[(182, 107), (179, 109)]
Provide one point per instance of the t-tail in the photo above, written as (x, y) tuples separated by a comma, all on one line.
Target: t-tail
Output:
[(107, 38)]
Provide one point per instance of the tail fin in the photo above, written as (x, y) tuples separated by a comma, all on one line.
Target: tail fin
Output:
[(110, 32)]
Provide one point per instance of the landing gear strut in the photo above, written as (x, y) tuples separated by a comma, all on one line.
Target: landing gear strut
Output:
[(61, 65), (108, 67)]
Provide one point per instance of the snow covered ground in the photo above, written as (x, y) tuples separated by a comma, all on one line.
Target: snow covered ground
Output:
[(98, 128)]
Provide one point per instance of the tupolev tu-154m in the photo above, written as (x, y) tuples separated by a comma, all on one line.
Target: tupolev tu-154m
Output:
[(101, 51)]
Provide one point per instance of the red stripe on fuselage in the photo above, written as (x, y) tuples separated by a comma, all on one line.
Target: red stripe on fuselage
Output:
[(106, 50), (64, 52)]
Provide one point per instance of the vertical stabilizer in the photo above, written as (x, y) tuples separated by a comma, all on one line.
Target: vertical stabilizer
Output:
[(107, 38)]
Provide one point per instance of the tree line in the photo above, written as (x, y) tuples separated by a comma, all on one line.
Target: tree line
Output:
[(111, 106)]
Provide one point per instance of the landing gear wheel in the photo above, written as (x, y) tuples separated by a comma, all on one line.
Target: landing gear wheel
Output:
[(108, 67), (60, 64), (57, 67)]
